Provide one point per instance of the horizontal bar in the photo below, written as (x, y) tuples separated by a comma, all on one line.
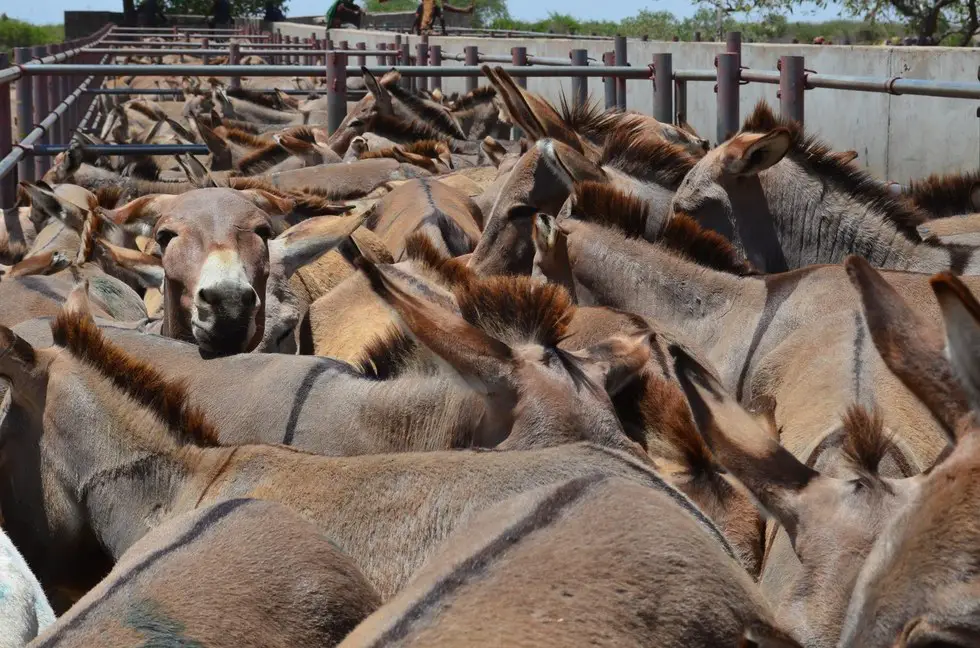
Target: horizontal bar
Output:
[(219, 52), (9, 163), (760, 76), (124, 149), (138, 70), (896, 86), (11, 74), (695, 75)]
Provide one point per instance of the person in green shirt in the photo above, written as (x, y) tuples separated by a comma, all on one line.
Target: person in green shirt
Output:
[(343, 12)]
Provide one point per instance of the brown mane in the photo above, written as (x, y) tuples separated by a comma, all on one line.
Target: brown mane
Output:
[(144, 109), (703, 246), (640, 155), (665, 409), (431, 115), (452, 272), (945, 195), (814, 155), (603, 204), (260, 98), (517, 309), (389, 127), (865, 442), (244, 138), (428, 148), (331, 193), (108, 196), (169, 400), (470, 99), (587, 119), (385, 356)]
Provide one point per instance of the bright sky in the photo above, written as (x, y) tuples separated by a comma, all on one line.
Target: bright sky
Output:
[(50, 11)]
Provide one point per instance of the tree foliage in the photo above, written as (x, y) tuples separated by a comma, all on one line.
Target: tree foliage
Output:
[(952, 22), (17, 33), (203, 7)]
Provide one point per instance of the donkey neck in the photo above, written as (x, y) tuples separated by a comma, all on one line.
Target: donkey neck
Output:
[(816, 222), (642, 278)]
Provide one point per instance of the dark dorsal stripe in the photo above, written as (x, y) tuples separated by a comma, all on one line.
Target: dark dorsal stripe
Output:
[(431, 115), (483, 94), (214, 516), (640, 155)]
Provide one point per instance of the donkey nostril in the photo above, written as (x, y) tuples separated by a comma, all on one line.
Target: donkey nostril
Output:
[(229, 296), (209, 296)]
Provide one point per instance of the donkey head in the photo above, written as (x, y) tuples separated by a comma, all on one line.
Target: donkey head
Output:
[(505, 348), (832, 522)]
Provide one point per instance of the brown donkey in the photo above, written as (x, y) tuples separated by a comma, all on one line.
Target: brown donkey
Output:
[(151, 459), (231, 556), (590, 561)]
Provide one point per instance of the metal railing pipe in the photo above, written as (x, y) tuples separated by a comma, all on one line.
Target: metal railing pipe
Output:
[(336, 90), (25, 110), (733, 44), (40, 106), (422, 54), (234, 58), (695, 75), (619, 44), (124, 149), (471, 54), (19, 152), (680, 100), (759, 76), (663, 82), (518, 58), (727, 89), (609, 83), (580, 84), (435, 52), (792, 83), (8, 184)]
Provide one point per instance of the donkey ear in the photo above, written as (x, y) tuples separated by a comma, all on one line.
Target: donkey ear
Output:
[(147, 269), (140, 216), (77, 302), (911, 348), (270, 203), (381, 95), (772, 474), (946, 631), (578, 167), (494, 150), (551, 261), (755, 153), (45, 203), (309, 240), (763, 635), (15, 350), (515, 101), (618, 361), (196, 172), (220, 151), (961, 315), (483, 362)]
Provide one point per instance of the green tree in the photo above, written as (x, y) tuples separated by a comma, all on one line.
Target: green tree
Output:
[(953, 21), (202, 7)]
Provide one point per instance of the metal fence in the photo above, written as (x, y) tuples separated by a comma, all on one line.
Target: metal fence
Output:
[(56, 84)]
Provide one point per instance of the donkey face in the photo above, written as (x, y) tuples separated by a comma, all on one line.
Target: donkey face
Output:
[(214, 245), (832, 522)]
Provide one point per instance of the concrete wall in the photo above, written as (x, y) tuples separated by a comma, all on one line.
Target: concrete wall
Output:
[(897, 137)]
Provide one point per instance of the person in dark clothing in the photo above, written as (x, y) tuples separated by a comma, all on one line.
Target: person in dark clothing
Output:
[(343, 12), (150, 14), (220, 14), (273, 13)]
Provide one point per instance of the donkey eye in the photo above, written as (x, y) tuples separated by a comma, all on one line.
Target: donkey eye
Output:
[(164, 237)]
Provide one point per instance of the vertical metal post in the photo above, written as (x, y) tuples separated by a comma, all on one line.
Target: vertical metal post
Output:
[(70, 119), (792, 83), (8, 185), (422, 83), (518, 57), (343, 45), (609, 82), (233, 59), (336, 90), (471, 57), (360, 60), (733, 44), (40, 110), (436, 52), (680, 101), (313, 59), (727, 89), (54, 98), (580, 85), (663, 78), (393, 57), (406, 59), (205, 44), (619, 44)]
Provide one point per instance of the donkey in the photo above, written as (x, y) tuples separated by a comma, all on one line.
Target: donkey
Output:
[(152, 458), (24, 609), (217, 249), (525, 572), (231, 555), (941, 196), (447, 217), (789, 202)]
